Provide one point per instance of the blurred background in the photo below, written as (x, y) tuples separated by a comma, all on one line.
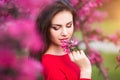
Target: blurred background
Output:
[(110, 25), (18, 36)]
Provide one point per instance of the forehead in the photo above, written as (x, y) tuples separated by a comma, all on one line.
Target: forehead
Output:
[(62, 17)]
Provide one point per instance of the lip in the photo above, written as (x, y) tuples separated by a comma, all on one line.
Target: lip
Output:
[(64, 39)]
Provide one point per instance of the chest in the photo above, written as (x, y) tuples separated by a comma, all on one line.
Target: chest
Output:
[(70, 69)]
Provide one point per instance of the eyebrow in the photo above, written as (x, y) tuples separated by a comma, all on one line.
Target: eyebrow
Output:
[(70, 22), (61, 25)]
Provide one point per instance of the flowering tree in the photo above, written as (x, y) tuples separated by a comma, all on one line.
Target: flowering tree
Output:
[(88, 14), (18, 36)]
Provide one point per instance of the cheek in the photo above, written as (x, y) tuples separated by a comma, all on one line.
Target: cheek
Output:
[(53, 34), (71, 30)]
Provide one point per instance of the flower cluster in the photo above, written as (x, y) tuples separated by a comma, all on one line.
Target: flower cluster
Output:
[(69, 46), (17, 37), (118, 59), (95, 57), (14, 67)]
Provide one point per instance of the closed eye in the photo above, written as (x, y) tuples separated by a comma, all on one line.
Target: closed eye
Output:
[(56, 27), (69, 25)]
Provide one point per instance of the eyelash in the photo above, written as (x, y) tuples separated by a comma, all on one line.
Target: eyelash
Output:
[(55, 28), (69, 26)]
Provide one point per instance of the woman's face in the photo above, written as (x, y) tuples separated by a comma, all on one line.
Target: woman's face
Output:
[(61, 27)]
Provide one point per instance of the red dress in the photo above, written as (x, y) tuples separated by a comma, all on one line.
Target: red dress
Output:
[(60, 68)]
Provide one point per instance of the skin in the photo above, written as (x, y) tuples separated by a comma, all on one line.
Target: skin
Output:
[(62, 28)]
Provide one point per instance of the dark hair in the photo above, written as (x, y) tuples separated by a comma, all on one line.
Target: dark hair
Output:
[(43, 21)]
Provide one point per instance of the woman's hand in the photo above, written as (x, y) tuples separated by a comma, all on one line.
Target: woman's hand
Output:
[(83, 62)]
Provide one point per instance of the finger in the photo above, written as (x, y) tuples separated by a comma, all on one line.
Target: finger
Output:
[(82, 53), (78, 52), (76, 55), (71, 57)]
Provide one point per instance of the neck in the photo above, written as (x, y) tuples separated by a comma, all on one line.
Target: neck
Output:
[(55, 50)]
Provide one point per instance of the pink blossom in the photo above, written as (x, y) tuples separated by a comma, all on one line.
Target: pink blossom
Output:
[(8, 64), (77, 25), (114, 38), (65, 46), (21, 67), (74, 42), (98, 30), (24, 31), (118, 59), (95, 57), (30, 69), (70, 45), (94, 37), (32, 6), (84, 1), (95, 34), (91, 20), (19, 28), (87, 27), (99, 16), (2, 2), (99, 2), (92, 4), (74, 2), (85, 10), (7, 59), (32, 43)]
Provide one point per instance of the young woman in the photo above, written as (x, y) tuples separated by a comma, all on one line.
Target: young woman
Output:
[(56, 24)]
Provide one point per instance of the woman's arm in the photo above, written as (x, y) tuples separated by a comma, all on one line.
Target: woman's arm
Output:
[(84, 64)]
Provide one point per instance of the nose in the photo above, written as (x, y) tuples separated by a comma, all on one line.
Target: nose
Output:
[(64, 32)]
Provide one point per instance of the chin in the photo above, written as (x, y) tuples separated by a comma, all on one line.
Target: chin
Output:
[(57, 43)]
